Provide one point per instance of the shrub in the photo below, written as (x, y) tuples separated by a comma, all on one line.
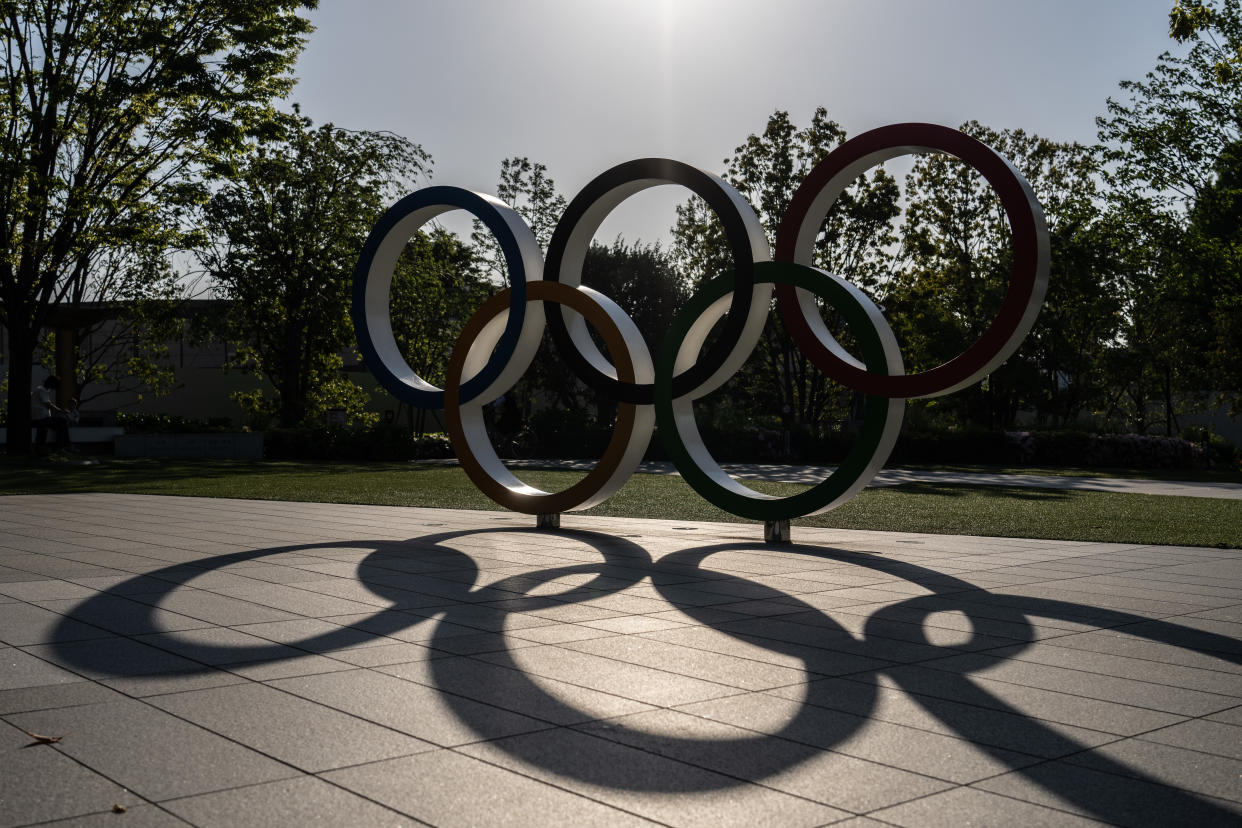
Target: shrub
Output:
[(956, 446), (384, 441), (135, 423), (1124, 451)]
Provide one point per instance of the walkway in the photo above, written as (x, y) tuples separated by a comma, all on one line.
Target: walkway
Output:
[(896, 477), (227, 662)]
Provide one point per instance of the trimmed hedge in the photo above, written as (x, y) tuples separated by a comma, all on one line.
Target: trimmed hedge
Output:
[(1121, 451), (380, 442), (135, 423)]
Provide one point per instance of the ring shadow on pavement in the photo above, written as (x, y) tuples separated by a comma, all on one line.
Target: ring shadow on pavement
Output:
[(1111, 791)]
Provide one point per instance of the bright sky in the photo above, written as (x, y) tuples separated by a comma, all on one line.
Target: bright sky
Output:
[(581, 85)]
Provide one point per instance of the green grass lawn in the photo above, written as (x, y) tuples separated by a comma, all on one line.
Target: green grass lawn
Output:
[(942, 509)]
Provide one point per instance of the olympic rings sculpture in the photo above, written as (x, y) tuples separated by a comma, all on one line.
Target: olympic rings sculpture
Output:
[(499, 342)]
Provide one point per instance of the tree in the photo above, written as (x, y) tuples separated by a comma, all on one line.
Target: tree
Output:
[(1209, 264), (436, 287), (286, 235), (527, 188), (1164, 141), (113, 113), (854, 241), (1169, 152), (639, 277), (956, 258), (642, 279)]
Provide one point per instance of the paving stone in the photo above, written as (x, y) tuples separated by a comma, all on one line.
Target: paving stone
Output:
[(810, 659), (22, 624), (1201, 735), (918, 751), (158, 684), (1089, 662), (634, 624), (305, 665), (150, 752), (47, 697), (796, 768), (386, 654), (968, 806), (448, 789), (19, 669), (1111, 798), (1215, 776), (1232, 716), (1117, 643), (219, 645), (44, 590), (562, 633), (982, 725), (830, 637), (483, 642), (41, 783), (715, 667), (310, 736), (219, 609), (294, 600), (409, 707), (123, 616), (503, 686), (1090, 685), (8, 575), (641, 783), (488, 618), (403, 626), (806, 686), (1034, 702), (294, 803), (134, 816), (641, 684), (119, 585), (113, 658)]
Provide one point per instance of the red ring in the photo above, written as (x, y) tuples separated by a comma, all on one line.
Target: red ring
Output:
[(1027, 282)]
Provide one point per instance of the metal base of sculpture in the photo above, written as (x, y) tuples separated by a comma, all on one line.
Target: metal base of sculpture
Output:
[(776, 532)]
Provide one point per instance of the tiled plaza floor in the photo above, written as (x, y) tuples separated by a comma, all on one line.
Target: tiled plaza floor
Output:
[(225, 662)]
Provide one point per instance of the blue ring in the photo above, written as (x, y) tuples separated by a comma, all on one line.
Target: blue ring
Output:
[(476, 205)]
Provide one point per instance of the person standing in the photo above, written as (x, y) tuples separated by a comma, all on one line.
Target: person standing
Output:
[(45, 414)]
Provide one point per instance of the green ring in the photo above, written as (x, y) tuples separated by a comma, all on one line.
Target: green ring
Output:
[(860, 455)]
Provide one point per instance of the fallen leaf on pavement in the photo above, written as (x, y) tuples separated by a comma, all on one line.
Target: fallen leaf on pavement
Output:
[(43, 740)]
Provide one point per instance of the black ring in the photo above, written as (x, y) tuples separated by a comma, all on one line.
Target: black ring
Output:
[(583, 217)]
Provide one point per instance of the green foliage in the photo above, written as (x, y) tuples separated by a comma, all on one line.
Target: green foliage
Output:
[(135, 423), (1190, 21), (436, 287), (366, 442), (527, 188), (1164, 141), (1208, 268), (641, 278), (854, 241), (113, 116), (957, 256), (1172, 173), (1113, 451), (286, 233)]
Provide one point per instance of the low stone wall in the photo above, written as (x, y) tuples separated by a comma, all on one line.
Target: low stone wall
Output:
[(225, 446)]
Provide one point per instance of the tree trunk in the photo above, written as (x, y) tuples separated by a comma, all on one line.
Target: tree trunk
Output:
[(21, 352)]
